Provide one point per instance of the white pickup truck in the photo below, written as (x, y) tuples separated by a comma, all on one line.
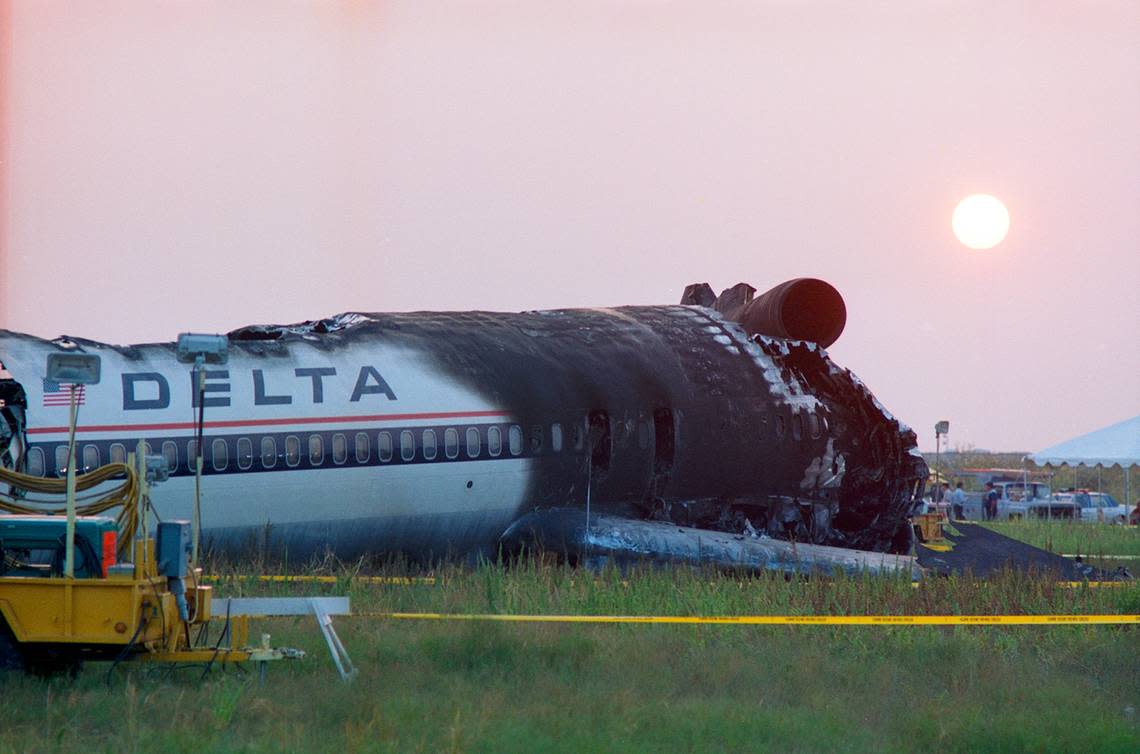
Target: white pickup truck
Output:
[(1018, 500)]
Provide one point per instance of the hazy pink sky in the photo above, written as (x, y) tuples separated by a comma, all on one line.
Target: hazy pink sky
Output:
[(200, 166)]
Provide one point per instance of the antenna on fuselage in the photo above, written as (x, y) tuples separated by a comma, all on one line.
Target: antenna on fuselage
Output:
[(200, 350)]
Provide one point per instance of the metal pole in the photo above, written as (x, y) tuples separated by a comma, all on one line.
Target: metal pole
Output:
[(197, 505), (937, 470), (200, 381), (69, 544), (143, 500)]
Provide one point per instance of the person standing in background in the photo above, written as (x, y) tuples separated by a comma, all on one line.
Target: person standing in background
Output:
[(989, 502), (958, 503), (944, 498)]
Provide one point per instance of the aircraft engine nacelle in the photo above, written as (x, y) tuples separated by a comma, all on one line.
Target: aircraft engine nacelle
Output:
[(800, 309)]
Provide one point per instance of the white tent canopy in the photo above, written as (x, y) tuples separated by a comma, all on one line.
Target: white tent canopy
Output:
[(1115, 445)]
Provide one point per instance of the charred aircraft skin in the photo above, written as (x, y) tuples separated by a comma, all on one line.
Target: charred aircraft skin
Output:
[(662, 413)]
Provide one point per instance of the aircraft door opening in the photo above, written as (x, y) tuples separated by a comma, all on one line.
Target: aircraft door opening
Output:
[(601, 441), (665, 446)]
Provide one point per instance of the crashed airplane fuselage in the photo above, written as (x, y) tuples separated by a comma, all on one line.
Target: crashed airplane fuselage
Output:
[(431, 434)]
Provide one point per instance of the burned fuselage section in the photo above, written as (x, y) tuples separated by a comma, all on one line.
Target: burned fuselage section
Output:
[(680, 414), (431, 433), (841, 470)]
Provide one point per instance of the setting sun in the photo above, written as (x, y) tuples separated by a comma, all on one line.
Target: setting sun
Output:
[(980, 221)]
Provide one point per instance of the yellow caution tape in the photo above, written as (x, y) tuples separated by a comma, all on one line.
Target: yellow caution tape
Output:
[(1070, 584), (1089, 556), (1094, 584), (778, 620), (431, 580), (330, 579), (411, 580)]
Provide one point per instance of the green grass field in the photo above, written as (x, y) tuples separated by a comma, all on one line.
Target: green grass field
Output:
[(1089, 540), (433, 687), (450, 686)]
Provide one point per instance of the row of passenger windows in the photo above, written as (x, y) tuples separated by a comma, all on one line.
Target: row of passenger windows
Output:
[(816, 425), (360, 444), (387, 444)]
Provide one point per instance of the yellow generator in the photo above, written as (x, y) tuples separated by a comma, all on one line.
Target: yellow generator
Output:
[(103, 593)]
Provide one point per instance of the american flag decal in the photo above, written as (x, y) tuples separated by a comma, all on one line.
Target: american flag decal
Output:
[(59, 394)]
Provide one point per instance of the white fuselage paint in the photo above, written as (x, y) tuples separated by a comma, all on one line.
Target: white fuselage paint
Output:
[(443, 503)]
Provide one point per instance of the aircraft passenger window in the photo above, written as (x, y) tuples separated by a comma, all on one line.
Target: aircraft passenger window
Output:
[(268, 452), (407, 445), (535, 439), (556, 437), (316, 450), (36, 462), (244, 453), (363, 451), (170, 453), (384, 447), (118, 453), (813, 426), (219, 455), (339, 449), (577, 437), (90, 458), (292, 450), (191, 455), (494, 441), (451, 443), (474, 441), (516, 440), (61, 460), (429, 444), (780, 427), (147, 449), (797, 427)]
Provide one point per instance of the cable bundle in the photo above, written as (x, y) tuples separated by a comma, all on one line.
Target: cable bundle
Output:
[(125, 495)]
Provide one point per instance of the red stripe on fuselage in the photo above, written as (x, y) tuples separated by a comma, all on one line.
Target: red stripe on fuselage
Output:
[(266, 422)]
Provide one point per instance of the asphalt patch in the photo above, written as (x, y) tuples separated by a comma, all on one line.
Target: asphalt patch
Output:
[(982, 552)]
